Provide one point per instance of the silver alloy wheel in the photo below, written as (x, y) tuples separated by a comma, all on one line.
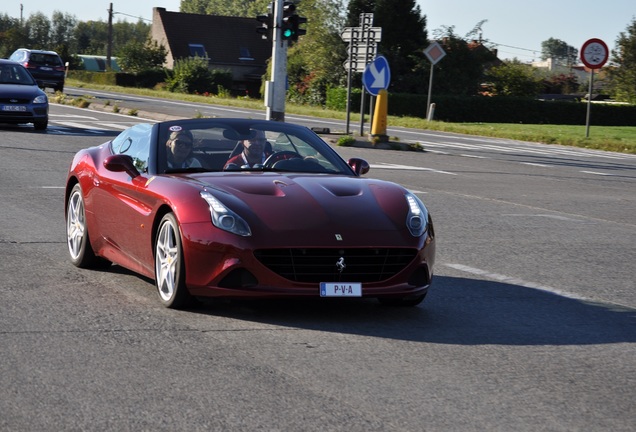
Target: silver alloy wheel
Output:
[(167, 260), (75, 224)]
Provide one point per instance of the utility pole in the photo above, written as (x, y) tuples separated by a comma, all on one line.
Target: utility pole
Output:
[(109, 46), (281, 24), (277, 87)]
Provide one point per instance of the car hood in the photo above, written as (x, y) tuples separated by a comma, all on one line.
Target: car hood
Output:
[(296, 202), (19, 91)]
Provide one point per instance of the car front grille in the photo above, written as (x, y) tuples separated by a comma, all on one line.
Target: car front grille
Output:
[(16, 114), (321, 265), (7, 100)]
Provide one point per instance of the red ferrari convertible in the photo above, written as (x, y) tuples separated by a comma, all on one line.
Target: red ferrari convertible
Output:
[(245, 208)]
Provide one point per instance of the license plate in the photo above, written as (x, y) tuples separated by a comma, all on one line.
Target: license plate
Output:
[(340, 289), (14, 108), (46, 68)]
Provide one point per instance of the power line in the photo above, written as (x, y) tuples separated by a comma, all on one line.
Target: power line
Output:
[(513, 47), (131, 16)]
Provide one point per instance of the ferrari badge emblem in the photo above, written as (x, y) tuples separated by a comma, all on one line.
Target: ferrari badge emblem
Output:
[(340, 265)]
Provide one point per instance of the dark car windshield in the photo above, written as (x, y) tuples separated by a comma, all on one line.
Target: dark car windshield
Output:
[(43, 59), (15, 74)]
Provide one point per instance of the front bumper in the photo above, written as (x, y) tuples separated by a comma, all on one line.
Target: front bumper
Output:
[(220, 264)]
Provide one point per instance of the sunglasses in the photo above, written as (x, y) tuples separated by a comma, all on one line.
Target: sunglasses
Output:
[(182, 143)]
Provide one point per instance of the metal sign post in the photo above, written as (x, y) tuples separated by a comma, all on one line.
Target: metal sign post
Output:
[(362, 49), (594, 54), (434, 53)]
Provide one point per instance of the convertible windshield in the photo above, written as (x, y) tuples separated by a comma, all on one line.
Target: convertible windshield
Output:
[(244, 145)]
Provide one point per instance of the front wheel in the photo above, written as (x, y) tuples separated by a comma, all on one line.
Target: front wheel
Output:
[(169, 265)]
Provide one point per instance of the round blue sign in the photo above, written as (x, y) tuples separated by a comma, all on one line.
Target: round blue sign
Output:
[(377, 75)]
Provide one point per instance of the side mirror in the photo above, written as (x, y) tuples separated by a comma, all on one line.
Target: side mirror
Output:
[(121, 163), (359, 166)]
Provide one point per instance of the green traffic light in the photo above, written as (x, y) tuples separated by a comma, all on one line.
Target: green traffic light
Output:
[(287, 33)]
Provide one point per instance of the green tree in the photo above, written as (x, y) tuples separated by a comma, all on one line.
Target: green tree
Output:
[(514, 79), (138, 57), (559, 50), (404, 37), (62, 29), (622, 76), (92, 37), (38, 27), (12, 35), (461, 72), (238, 8), (125, 32), (315, 61)]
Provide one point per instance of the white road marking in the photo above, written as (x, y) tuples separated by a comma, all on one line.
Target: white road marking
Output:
[(515, 281), (79, 125), (115, 125), (539, 287), (535, 164), (597, 173), (51, 116), (409, 168), (549, 216)]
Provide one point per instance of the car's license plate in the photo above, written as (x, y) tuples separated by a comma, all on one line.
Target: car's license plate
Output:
[(46, 68), (14, 108), (340, 289)]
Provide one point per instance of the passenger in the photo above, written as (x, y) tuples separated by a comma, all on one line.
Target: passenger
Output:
[(179, 150), (255, 151)]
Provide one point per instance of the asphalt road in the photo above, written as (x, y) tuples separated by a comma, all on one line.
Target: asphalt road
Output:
[(530, 323)]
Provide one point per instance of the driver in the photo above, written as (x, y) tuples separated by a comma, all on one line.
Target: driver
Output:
[(254, 152), (179, 149)]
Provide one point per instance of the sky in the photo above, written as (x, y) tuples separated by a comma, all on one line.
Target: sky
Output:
[(517, 27)]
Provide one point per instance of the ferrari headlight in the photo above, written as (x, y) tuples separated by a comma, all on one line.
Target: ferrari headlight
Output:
[(40, 99), (224, 218), (417, 218)]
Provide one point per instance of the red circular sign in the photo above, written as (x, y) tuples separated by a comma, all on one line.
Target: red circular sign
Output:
[(594, 53)]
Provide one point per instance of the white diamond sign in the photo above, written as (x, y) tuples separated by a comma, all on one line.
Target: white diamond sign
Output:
[(434, 52)]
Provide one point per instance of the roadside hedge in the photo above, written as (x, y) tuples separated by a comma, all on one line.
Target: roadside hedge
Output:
[(497, 109), (145, 79)]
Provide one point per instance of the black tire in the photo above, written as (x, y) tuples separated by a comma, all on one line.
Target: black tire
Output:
[(79, 245), (402, 302), (169, 265), (41, 125)]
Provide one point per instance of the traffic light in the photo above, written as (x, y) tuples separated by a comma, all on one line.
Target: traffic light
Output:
[(267, 23), (296, 30), (287, 23)]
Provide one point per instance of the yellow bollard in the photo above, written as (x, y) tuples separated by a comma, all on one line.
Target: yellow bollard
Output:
[(378, 128)]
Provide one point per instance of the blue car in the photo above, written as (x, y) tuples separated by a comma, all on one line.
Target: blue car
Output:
[(21, 100), (46, 67)]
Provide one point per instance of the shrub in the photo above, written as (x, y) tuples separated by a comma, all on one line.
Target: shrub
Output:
[(346, 141), (191, 75)]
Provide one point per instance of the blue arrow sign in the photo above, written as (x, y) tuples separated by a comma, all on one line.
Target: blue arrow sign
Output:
[(377, 75)]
